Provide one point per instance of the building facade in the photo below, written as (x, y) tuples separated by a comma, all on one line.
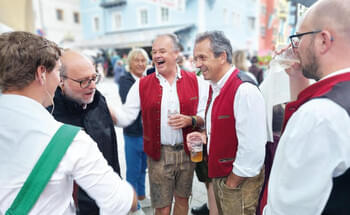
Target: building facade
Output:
[(124, 24), (58, 20)]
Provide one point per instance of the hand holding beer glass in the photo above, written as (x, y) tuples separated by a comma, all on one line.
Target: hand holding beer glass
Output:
[(195, 141)]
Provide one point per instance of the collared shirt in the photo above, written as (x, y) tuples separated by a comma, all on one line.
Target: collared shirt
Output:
[(249, 113), (26, 128), (170, 104), (313, 149)]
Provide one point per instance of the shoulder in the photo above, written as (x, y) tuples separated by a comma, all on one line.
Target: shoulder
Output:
[(323, 109)]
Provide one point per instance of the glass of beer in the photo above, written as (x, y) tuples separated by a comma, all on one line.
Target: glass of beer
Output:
[(197, 148)]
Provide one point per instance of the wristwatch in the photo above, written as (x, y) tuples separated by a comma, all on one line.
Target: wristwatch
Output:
[(194, 121)]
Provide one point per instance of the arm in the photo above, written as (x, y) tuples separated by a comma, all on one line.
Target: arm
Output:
[(249, 112), (127, 114), (92, 173), (297, 81), (181, 121)]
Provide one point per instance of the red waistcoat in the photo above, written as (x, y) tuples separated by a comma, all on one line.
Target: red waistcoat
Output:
[(223, 138), (316, 90), (151, 99)]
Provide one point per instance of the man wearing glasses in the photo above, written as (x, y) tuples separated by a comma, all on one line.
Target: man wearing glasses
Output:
[(78, 102), (310, 173)]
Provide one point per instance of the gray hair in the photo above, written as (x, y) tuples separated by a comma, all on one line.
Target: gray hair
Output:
[(136, 51), (219, 43), (173, 37)]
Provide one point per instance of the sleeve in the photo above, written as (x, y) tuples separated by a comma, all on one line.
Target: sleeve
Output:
[(92, 173), (203, 87), (128, 112), (249, 111), (313, 149)]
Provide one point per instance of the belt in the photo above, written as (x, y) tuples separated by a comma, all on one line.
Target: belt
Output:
[(176, 147)]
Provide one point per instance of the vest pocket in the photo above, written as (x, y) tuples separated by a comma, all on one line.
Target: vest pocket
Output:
[(224, 160)]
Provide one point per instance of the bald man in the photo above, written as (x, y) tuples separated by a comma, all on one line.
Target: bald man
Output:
[(310, 174), (78, 102)]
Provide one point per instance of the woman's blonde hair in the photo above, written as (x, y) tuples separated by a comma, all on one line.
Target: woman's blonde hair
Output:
[(240, 60)]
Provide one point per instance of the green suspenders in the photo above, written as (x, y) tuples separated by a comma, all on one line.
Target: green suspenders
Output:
[(43, 170)]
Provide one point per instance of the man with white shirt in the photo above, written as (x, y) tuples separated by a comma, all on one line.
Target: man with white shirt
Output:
[(310, 173), (172, 103), (235, 127), (29, 76)]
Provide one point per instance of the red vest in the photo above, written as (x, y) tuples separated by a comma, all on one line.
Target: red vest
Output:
[(151, 99), (316, 90), (223, 138)]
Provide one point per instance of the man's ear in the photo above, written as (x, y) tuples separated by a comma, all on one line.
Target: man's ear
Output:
[(41, 74), (326, 41)]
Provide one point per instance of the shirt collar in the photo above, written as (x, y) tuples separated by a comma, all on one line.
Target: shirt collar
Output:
[(161, 78), (134, 76), (218, 85), (336, 73)]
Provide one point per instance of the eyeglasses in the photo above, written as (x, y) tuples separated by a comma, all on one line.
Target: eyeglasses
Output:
[(85, 82), (295, 39)]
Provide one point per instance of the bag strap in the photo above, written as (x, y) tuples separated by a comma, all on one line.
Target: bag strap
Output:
[(43, 170)]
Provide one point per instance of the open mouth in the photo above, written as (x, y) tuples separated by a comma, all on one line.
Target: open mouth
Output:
[(160, 62)]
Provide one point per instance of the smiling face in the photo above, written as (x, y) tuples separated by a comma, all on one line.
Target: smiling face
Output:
[(138, 64), (209, 65), (79, 68), (164, 55)]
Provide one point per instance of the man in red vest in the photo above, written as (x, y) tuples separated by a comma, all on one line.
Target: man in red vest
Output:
[(235, 127), (310, 173), (172, 102)]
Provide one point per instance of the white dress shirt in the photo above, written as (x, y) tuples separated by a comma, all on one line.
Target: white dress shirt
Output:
[(313, 149), (26, 128), (249, 113), (169, 104)]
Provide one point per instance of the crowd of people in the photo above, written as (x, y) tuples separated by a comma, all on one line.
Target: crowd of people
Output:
[(49, 99)]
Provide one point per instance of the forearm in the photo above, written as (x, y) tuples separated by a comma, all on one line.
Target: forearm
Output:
[(297, 84)]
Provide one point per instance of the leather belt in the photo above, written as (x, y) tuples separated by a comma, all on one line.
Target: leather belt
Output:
[(176, 147)]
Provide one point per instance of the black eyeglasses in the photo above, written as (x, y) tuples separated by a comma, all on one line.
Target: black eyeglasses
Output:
[(85, 82), (295, 39)]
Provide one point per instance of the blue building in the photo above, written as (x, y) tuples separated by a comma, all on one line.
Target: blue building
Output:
[(124, 24)]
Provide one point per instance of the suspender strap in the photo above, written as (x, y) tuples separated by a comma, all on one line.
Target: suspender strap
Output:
[(43, 170)]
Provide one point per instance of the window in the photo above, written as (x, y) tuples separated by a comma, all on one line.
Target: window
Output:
[(76, 17), (263, 9), (117, 21), (96, 24), (236, 19), (251, 23), (263, 31), (225, 14), (59, 14), (164, 15), (143, 17)]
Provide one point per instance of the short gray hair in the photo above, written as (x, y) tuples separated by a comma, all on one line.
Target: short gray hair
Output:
[(219, 43), (173, 37)]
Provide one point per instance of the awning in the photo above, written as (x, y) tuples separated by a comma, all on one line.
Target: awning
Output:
[(131, 38), (306, 3)]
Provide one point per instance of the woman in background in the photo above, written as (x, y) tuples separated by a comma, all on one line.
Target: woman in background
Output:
[(135, 157)]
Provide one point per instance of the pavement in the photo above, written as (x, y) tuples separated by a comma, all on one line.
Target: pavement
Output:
[(110, 90)]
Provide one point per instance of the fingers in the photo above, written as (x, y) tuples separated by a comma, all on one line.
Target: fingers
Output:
[(177, 121)]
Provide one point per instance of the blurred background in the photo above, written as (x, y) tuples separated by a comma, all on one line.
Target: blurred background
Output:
[(108, 29)]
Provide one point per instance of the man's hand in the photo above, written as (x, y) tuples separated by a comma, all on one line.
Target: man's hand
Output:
[(194, 134), (179, 121), (233, 181)]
